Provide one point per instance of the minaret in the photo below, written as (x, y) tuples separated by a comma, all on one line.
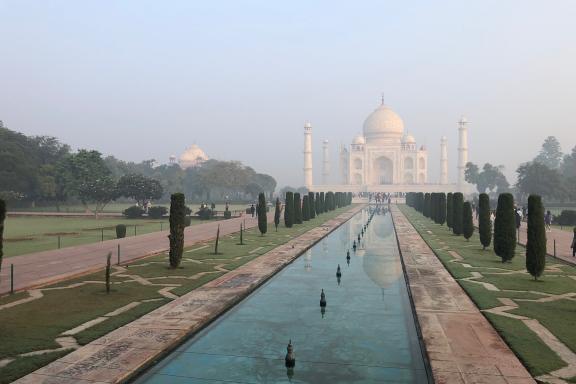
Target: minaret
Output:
[(308, 155), (443, 160), (325, 162), (462, 151)]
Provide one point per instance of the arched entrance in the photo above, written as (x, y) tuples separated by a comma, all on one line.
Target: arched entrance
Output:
[(382, 170)]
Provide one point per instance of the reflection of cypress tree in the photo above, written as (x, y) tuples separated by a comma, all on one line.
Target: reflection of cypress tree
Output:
[(305, 208), (536, 242), (449, 210), (297, 209), (312, 205), (457, 208), (484, 223), (289, 210), (262, 216), (177, 224), (505, 227), (467, 223)]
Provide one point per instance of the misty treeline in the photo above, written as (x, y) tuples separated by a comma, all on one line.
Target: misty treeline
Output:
[(40, 170), (550, 174)]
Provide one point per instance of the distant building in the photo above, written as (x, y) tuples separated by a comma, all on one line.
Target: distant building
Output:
[(192, 157)]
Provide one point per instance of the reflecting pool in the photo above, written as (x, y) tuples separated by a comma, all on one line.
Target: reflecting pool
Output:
[(365, 335)]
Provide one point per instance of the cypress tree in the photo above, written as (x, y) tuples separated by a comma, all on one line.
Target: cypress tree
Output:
[(457, 211), (317, 203), (322, 203), (449, 209), (442, 208), (297, 208), (277, 209), (467, 223), (484, 223), (2, 218), (426, 211), (312, 205), (177, 225), (289, 210), (536, 242), (505, 227), (305, 208), (108, 271), (262, 216)]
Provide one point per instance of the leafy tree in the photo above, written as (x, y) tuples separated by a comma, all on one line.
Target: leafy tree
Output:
[(568, 172), (551, 154), (490, 178), (305, 208), (289, 210), (505, 227), (484, 223), (537, 179), (140, 188), (177, 225), (467, 223), (536, 241), (449, 209), (262, 217), (457, 213), (297, 209), (312, 204), (277, 212)]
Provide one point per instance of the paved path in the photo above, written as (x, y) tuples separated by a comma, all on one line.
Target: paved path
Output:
[(117, 356), (461, 344), (40, 268)]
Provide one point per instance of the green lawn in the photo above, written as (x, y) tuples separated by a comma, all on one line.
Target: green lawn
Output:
[(113, 208), (512, 280), (34, 325), (33, 233)]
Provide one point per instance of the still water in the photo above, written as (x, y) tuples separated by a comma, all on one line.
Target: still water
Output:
[(366, 334)]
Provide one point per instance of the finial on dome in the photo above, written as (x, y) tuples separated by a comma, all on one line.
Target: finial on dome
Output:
[(382, 97)]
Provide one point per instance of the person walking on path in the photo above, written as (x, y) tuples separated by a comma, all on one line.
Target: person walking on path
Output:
[(548, 221), (573, 246), (518, 219), (252, 210)]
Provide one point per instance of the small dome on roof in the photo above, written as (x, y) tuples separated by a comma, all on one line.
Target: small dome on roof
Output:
[(359, 140), (409, 139)]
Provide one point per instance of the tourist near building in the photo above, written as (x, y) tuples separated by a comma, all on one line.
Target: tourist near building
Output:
[(384, 158)]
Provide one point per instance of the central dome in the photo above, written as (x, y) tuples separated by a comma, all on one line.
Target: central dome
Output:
[(383, 123)]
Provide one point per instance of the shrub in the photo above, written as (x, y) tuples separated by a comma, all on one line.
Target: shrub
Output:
[(157, 212), (566, 218), (262, 217), (120, 231), (457, 210), (133, 212), (205, 213), (227, 214), (505, 227), (289, 210), (177, 223), (297, 209), (484, 223), (536, 242), (449, 209), (187, 221), (467, 223)]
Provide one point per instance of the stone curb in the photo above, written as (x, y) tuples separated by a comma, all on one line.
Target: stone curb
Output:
[(128, 350)]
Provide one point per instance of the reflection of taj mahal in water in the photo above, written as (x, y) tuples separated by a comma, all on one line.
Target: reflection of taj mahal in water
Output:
[(385, 159)]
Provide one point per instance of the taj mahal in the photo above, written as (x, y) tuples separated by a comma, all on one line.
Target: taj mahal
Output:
[(384, 158)]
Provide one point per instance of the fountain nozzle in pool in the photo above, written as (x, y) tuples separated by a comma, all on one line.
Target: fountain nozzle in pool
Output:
[(322, 299), (290, 359)]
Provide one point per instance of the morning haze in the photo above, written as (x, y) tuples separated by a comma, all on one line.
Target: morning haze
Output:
[(231, 76)]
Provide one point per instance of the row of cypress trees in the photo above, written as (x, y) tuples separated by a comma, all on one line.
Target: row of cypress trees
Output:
[(298, 210), (459, 218)]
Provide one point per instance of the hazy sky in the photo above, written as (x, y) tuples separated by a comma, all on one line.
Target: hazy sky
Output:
[(145, 79)]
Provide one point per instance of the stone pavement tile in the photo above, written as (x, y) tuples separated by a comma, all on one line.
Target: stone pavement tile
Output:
[(442, 377), (483, 379), (35, 378)]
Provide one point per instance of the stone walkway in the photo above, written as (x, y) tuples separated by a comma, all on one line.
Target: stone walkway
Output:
[(41, 268), (461, 344), (120, 354)]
